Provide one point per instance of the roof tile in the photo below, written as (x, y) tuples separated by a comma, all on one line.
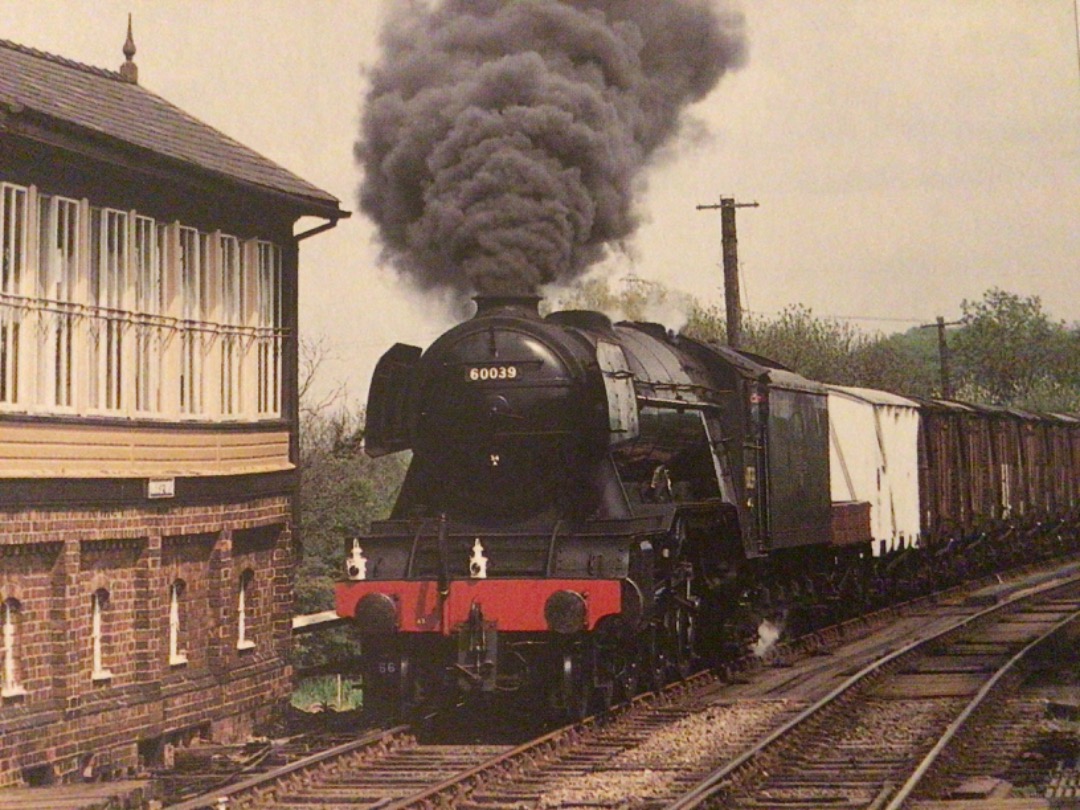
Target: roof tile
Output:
[(102, 101)]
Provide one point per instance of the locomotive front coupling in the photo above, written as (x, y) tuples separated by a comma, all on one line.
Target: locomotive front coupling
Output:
[(477, 664)]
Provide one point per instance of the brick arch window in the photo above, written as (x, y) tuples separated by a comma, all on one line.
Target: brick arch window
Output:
[(178, 610), (245, 610), (99, 609), (10, 615)]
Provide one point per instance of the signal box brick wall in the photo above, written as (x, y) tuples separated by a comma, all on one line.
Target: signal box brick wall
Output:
[(149, 692)]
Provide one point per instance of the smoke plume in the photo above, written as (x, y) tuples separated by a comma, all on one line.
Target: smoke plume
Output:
[(501, 139), (768, 634)]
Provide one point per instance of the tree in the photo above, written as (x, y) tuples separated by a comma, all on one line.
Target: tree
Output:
[(1009, 352), (313, 352), (342, 491), (822, 349), (905, 363), (637, 300)]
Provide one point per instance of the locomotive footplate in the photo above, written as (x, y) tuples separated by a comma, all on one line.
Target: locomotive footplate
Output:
[(518, 606)]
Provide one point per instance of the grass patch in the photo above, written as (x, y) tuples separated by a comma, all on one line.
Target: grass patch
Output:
[(327, 692)]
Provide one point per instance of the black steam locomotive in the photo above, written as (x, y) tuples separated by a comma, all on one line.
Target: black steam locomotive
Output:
[(592, 508)]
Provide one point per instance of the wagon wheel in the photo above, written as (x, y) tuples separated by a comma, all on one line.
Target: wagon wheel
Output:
[(618, 662)]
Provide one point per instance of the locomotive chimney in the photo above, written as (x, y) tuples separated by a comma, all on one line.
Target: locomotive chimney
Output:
[(521, 306)]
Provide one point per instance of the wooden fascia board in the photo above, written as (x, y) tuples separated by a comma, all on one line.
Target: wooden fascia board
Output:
[(113, 152)]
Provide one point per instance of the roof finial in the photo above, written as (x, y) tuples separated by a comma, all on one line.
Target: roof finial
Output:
[(129, 70)]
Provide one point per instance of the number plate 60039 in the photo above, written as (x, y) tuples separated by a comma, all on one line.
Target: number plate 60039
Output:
[(484, 373)]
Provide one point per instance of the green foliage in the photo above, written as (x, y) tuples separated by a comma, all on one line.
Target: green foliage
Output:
[(334, 649), (342, 491), (824, 349), (905, 363), (1009, 351), (636, 300), (818, 348), (1006, 352), (327, 692), (1044, 396)]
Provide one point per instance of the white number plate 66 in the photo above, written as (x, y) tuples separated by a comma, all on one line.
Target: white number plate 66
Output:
[(481, 373)]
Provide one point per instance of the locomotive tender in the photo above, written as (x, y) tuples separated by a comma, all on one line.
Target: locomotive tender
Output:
[(591, 507)]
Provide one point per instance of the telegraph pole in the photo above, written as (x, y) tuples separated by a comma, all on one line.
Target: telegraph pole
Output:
[(943, 353), (727, 206)]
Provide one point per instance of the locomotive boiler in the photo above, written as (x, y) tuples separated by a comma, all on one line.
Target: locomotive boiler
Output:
[(589, 507)]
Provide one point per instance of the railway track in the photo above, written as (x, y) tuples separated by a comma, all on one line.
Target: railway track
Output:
[(884, 735), (697, 743), (250, 791)]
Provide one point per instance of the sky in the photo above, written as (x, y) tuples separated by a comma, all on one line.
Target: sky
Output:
[(905, 155)]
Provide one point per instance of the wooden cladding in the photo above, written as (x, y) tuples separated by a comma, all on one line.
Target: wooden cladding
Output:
[(51, 450)]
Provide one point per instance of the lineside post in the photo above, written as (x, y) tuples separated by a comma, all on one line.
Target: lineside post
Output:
[(730, 243)]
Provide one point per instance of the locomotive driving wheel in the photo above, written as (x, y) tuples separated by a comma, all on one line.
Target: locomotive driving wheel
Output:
[(570, 691), (678, 632), (683, 632), (574, 692), (651, 662)]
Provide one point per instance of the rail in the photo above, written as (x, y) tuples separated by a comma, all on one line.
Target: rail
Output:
[(707, 789), (905, 791), (320, 757)]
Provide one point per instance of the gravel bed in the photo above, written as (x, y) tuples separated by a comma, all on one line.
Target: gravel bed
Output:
[(720, 732), (620, 789), (899, 724), (887, 732), (691, 745)]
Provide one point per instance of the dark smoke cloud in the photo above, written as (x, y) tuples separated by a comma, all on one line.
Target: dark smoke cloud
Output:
[(501, 138)]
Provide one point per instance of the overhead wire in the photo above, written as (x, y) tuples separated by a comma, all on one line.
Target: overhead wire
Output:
[(744, 294)]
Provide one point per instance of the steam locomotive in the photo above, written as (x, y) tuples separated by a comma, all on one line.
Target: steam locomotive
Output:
[(593, 508)]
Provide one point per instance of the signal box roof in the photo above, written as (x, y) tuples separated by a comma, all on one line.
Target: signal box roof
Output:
[(49, 91)]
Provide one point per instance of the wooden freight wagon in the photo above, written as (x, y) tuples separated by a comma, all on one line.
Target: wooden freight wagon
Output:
[(874, 458)]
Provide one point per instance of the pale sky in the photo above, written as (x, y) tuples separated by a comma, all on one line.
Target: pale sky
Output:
[(906, 154)]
